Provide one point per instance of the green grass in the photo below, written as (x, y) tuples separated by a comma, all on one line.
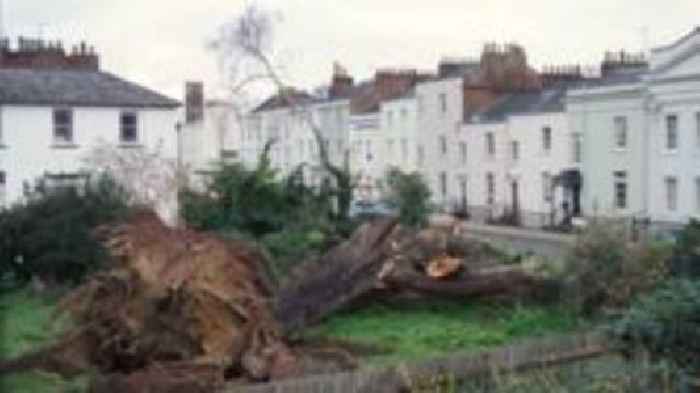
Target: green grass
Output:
[(26, 325), (409, 332)]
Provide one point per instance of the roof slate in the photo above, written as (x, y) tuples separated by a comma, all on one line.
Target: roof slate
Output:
[(76, 88), (549, 100)]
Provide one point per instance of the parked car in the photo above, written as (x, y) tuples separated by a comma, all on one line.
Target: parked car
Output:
[(367, 209)]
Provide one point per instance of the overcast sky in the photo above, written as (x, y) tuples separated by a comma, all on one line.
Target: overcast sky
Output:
[(161, 43)]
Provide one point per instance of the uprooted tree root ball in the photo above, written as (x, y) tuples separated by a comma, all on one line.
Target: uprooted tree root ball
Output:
[(181, 310)]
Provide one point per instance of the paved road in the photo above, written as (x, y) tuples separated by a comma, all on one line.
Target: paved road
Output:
[(514, 240)]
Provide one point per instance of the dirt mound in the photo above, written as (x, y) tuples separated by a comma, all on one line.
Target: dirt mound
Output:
[(176, 295)]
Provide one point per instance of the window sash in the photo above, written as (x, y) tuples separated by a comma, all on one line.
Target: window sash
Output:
[(547, 138), (63, 126), (490, 144), (672, 132), (490, 189), (671, 193), (620, 132)]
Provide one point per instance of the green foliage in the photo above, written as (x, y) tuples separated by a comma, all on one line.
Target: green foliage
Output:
[(51, 235), (27, 325), (427, 329), (290, 219), (686, 253), (411, 195), (603, 271), (666, 324)]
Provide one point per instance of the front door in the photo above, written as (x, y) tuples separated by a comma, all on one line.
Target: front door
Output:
[(515, 198)]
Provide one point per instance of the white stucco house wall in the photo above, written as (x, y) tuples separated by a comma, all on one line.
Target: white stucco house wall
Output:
[(205, 142), (291, 129), (440, 110), (515, 151), (641, 133), (51, 120)]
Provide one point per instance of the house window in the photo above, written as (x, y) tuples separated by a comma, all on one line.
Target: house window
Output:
[(443, 145), (404, 149), (490, 144), (404, 114), (64, 182), (578, 148), (515, 150), (547, 186), (63, 126), (420, 155), (443, 184), (463, 152), (3, 189), (368, 148), (620, 184), (620, 132), (671, 132), (443, 102), (546, 139), (671, 193), (490, 188), (390, 148), (129, 129), (389, 118)]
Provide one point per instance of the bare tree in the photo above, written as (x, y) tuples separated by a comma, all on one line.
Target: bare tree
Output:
[(245, 47), (151, 180)]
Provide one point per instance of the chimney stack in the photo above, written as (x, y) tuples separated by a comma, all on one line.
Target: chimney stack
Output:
[(342, 83), (40, 54), (194, 102)]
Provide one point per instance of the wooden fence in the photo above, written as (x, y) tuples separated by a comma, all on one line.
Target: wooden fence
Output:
[(530, 354)]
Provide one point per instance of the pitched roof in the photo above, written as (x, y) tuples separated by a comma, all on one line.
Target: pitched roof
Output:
[(279, 101), (75, 88), (548, 100)]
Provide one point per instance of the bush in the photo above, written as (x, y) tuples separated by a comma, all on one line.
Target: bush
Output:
[(50, 236), (666, 324), (410, 193), (603, 271), (686, 253), (290, 219)]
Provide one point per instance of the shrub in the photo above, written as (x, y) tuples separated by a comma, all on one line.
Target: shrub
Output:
[(411, 195), (686, 253), (50, 236), (603, 270), (666, 324)]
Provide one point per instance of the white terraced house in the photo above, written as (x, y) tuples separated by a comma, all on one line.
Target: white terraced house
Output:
[(56, 107), (550, 146), (641, 130)]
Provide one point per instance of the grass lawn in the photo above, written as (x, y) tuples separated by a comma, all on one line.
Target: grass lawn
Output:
[(25, 325), (408, 332)]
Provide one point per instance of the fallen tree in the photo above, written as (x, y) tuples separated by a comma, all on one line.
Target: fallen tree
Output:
[(182, 308)]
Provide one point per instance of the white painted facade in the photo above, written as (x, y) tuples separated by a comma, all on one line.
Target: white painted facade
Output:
[(661, 159), (440, 111), (217, 137), (29, 149), (295, 141), (380, 141)]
